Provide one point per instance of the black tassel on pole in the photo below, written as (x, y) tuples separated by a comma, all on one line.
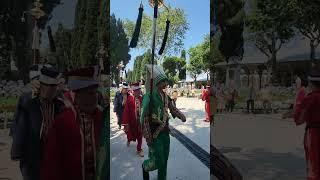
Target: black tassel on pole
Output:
[(51, 41), (136, 33), (165, 37)]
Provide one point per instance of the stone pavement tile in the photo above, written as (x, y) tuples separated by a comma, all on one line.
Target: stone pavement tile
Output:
[(8, 169), (262, 147), (182, 165)]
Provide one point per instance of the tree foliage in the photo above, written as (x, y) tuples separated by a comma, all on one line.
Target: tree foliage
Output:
[(178, 28), (196, 66), (174, 68), (307, 15), (79, 26), (89, 42), (183, 70), (104, 31), (91, 29), (272, 25), (139, 67), (62, 39), (230, 18), (119, 48), (146, 60)]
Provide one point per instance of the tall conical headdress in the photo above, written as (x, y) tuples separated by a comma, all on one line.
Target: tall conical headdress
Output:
[(158, 76)]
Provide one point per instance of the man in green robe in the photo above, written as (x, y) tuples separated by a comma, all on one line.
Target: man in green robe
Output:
[(155, 120)]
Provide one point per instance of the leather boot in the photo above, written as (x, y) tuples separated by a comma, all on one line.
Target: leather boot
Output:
[(145, 174)]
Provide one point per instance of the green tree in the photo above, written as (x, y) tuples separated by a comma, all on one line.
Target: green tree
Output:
[(63, 45), (129, 76), (230, 16), (79, 26), (183, 54), (307, 22), (215, 57), (196, 66), (174, 68), (104, 30), (146, 60), (206, 54), (89, 43), (183, 65), (91, 29), (137, 67), (118, 46), (4, 55), (170, 68), (178, 28), (272, 25)]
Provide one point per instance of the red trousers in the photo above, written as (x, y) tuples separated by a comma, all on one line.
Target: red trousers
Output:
[(312, 152), (137, 137)]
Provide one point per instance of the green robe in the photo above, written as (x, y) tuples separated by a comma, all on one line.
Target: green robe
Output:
[(157, 106), (103, 155), (159, 149)]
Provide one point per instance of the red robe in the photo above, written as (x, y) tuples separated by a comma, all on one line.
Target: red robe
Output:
[(206, 96), (70, 152), (130, 118), (308, 112)]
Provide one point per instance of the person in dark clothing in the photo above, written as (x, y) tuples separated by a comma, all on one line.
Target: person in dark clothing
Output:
[(231, 100), (120, 102), (33, 121), (250, 99), (29, 93)]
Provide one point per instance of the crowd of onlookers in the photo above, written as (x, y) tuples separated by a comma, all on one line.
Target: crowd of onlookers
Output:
[(251, 99)]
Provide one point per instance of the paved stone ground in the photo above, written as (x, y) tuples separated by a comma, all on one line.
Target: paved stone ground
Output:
[(262, 147), (9, 170), (125, 164)]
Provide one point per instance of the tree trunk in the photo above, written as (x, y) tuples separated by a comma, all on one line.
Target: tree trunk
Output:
[(275, 78), (221, 167), (212, 77), (312, 51)]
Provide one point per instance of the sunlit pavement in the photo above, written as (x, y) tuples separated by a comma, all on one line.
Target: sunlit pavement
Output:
[(125, 164), (262, 147)]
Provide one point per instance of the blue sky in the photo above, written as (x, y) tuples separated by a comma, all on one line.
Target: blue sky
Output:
[(197, 11)]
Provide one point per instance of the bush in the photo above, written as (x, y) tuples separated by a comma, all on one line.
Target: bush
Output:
[(8, 104), (112, 93)]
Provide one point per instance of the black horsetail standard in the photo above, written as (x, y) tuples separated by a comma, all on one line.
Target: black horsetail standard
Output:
[(165, 37), (136, 33)]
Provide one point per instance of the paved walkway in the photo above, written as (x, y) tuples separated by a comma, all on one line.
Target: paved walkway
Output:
[(262, 147), (125, 164), (9, 170)]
